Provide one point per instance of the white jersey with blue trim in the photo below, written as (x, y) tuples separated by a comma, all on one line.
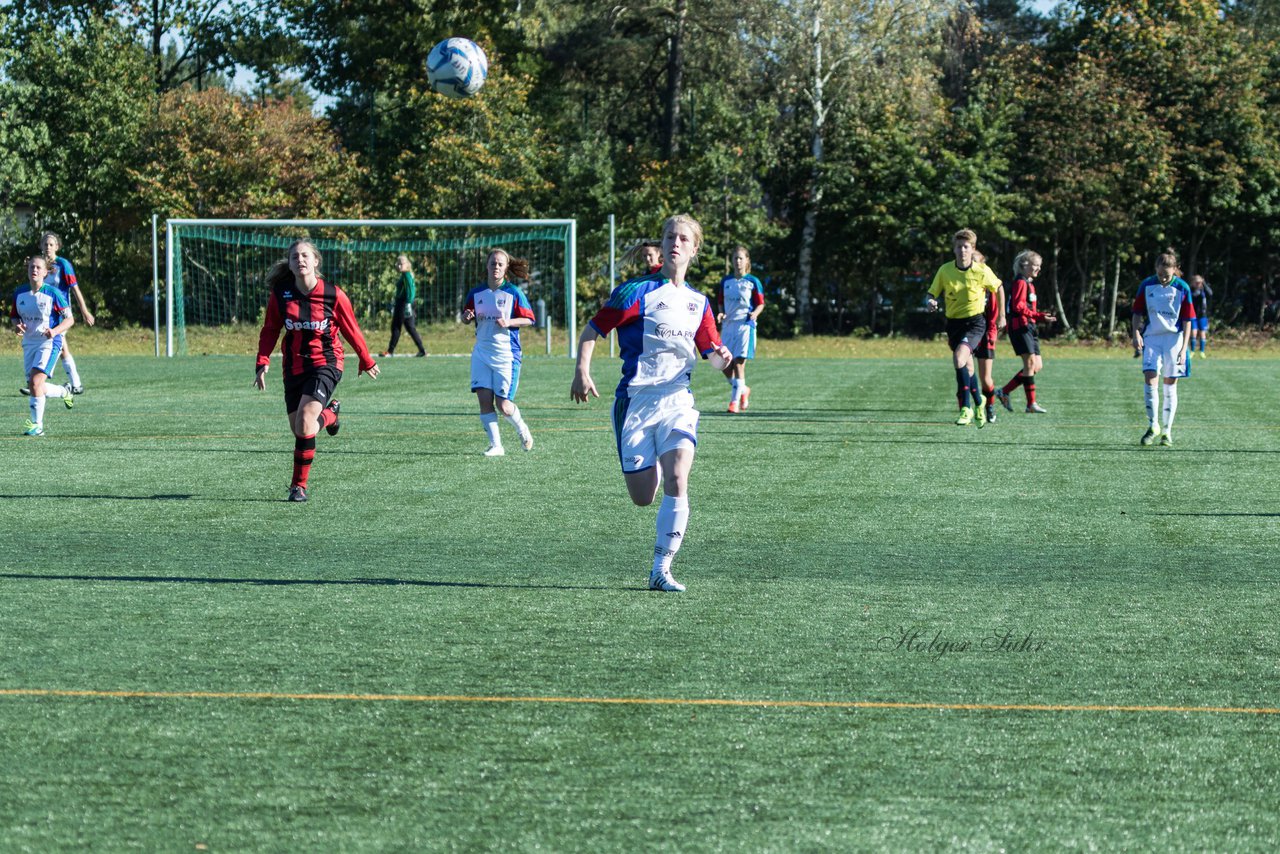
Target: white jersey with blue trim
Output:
[(737, 295), (1165, 308), (39, 310), (662, 329), (496, 344)]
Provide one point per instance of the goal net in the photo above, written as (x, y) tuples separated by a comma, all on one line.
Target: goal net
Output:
[(215, 270)]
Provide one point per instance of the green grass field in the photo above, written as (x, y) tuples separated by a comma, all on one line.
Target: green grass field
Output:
[(446, 652)]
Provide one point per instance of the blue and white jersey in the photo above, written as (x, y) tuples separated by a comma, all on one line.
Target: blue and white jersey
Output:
[(1164, 308), (662, 328), (494, 344), (738, 296), (62, 276), (39, 310)]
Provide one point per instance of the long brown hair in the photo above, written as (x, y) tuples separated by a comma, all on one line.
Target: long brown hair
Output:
[(280, 274)]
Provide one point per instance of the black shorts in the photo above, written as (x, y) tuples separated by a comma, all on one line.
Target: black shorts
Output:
[(1026, 342), (966, 330), (317, 382), (986, 349)]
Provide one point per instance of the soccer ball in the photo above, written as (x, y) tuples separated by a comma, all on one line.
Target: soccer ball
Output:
[(457, 68)]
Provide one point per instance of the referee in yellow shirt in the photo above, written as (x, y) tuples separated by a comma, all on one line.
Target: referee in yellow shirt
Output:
[(962, 287)]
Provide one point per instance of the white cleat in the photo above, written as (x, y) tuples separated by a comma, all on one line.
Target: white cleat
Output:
[(663, 581), (526, 439), (496, 451)]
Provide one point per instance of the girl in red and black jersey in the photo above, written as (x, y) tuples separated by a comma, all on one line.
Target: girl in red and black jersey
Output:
[(312, 312), (1023, 317)]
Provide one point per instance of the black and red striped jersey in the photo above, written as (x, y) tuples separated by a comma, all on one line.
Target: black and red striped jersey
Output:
[(312, 322)]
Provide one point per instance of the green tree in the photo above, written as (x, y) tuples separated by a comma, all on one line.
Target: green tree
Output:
[(216, 154), (92, 86)]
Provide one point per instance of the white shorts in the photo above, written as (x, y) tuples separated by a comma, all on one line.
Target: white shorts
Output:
[(1159, 354), (40, 354), (501, 380), (740, 338), (647, 427)]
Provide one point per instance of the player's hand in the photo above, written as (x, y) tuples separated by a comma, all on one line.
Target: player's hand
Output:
[(47, 332), (931, 304), (503, 322), (89, 318), (582, 389), (20, 328), (1051, 318), (468, 315), (720, 318), (1001, 325), (720, 358), (260, 379), (372, 371)]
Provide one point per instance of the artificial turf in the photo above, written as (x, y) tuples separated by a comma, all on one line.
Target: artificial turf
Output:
[(401, 663)]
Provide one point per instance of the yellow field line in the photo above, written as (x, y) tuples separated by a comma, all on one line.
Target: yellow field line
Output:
[(635, 701)]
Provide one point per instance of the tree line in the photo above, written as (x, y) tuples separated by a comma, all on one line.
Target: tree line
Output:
[(843, 141)]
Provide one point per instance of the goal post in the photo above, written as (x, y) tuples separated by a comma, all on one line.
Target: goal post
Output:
[(215, 269)]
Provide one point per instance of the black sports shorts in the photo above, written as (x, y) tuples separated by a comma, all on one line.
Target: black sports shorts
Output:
[(317, 382), (1026, 342), (966, 330)]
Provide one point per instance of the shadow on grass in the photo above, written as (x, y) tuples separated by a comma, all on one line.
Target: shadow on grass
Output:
[(1222, 515), (90, 496), (292, 582)]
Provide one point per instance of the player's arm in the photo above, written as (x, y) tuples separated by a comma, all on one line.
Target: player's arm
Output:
[(271, 326), (757, 299), (521, 312), (68, 321), (84, 309), (350, 329), (583, 387), (1001, 320), (933, 296), (707, 340), (16, 319)]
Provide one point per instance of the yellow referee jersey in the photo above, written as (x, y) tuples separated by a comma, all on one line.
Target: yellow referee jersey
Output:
[(962, 290)]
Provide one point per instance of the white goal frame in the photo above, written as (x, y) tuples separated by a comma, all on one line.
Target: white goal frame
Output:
[(571, 264)]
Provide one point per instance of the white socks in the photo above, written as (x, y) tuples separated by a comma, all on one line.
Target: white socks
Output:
[(55, 390), (489, 421), (735, 390), (37, 410), (516, 421), (1149, 397), (1170, 406), (69, 363), (673, 517)]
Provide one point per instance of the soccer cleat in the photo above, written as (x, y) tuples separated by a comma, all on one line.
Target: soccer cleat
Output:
[(526, 439), (746, 397), (1166, 439), (77, 389), (24, 390), (496, 451), (1003, 397), (297, 493), (66, 399), (33, 429), (966, 417), (421, 354), (1149, 436), (991, 413), (662, 580), (733, 408), (1035, 407), (332, 429), (384, 354), (980, 413)]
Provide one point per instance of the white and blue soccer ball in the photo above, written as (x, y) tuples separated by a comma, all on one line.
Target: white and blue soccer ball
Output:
[(457, 68)]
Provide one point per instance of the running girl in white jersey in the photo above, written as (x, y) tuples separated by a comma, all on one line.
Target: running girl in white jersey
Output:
[(499, 309), (41, 315), (663, 325), (740, 299)]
